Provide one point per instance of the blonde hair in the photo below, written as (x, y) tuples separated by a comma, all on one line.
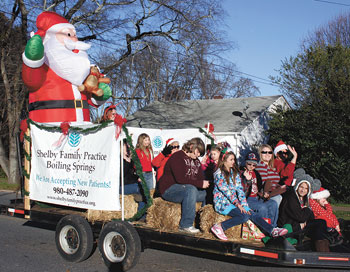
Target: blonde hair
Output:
[(140, 146), (272, 160)]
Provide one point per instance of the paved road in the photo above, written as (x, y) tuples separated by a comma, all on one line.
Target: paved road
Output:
[(26, 247)]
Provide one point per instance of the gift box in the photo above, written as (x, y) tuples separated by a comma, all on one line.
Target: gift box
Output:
[(251, 232)]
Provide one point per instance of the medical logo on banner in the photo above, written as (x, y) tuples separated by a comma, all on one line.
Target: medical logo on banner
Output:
[(74, 139), (157, 142), (160, 136), (82, 173)]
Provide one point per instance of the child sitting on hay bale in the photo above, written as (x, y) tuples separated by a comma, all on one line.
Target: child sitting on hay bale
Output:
[(181, 179), (229, 199)]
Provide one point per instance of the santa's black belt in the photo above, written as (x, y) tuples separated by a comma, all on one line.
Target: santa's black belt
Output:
[(59, 104)]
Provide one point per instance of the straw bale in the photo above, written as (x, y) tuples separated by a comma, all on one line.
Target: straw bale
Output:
[(208, 217), (165, 215), (129, 211)]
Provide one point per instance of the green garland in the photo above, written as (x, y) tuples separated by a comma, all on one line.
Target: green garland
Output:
[(71, 128), (207, 135), (138, 166)]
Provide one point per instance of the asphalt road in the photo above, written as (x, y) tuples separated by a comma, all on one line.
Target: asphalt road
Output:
[(27, 247)]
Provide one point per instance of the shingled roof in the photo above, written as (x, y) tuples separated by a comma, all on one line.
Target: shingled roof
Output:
[(197, 113)]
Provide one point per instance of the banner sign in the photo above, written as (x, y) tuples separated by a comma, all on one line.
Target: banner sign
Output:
[(160, 136), (82, 172)]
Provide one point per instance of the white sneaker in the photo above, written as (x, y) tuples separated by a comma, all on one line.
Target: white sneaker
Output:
[(189, 230)]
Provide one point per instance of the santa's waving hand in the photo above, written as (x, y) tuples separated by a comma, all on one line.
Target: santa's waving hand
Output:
[(55, 63)]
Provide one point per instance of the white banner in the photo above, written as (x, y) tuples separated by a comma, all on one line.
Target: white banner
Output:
[(83, 172), (160, 136)]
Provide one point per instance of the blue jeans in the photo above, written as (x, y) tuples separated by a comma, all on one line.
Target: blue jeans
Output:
[(239, 218), (267, 209), (187, 195), (149, 179), (133, 188)]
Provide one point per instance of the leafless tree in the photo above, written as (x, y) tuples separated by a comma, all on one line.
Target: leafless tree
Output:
[(151, 49), (334, 32)]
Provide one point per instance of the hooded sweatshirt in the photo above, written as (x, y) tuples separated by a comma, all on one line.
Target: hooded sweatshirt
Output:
[(291, 210)]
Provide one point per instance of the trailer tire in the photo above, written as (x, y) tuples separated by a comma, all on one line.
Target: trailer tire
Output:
[(74, 238), (120, 245)]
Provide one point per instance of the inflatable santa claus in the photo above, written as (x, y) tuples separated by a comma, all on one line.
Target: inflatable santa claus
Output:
[(55, 64)]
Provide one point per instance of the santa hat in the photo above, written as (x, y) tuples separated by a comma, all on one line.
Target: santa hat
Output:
[(170, 141), (280, 146), (321, 193), (49, 21)]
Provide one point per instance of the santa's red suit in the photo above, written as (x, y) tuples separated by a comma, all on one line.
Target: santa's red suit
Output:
[(51, 97)]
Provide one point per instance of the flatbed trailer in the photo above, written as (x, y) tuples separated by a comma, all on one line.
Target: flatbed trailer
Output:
[(123, 241)]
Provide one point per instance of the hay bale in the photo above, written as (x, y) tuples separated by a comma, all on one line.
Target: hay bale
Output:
[(165, 215), (129, 211), (208, 217)]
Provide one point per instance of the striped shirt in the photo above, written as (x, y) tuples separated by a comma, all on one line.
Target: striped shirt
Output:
[(268, 174)]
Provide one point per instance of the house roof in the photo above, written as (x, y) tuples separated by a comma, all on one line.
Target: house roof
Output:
[(197, 113)]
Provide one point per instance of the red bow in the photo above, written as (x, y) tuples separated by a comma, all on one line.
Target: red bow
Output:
[(119, 121), (65, 127), (211, 127), (23, 127)]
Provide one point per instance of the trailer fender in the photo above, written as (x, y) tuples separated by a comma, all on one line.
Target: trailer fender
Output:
[(74, 238), (120, 245)]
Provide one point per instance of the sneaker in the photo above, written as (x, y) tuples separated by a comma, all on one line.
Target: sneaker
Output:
[(219, 232), (191, 230), (278, 232)]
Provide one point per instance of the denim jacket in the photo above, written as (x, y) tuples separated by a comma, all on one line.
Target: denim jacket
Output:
[(227, 196)]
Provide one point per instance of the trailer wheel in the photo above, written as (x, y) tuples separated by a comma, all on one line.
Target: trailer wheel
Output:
[(120, 245), (74, 238)]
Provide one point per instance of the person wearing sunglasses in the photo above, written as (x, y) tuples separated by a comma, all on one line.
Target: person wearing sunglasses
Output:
[(253, 188), (171, 146), (269, 175), (285, 160)]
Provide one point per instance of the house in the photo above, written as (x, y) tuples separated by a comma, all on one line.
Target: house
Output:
[(239, 121)]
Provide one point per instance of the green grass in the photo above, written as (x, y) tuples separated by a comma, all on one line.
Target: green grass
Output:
[(342, 214), (340, 204), (6, 186)]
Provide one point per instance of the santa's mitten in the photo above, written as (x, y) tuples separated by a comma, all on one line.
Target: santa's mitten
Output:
[(34, 50), (107, 92)]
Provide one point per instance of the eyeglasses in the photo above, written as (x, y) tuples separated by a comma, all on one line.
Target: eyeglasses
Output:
[(266, 152), (251, 164), (175, 146)]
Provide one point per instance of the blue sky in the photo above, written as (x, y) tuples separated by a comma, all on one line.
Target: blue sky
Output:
[(268, 31)]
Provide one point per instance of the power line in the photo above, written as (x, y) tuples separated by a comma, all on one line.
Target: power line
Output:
[(257, 79), (334, 3)]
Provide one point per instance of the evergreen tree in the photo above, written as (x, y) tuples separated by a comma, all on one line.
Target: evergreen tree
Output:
[(319, 125)]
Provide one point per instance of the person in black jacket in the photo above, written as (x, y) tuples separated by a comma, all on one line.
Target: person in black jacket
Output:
[(253, 188), (295, 210)]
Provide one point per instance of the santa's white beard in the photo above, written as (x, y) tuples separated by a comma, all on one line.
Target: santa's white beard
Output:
[(73, 67)]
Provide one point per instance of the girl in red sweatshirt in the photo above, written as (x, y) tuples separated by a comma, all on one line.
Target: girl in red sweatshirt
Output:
[(145, 153)]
